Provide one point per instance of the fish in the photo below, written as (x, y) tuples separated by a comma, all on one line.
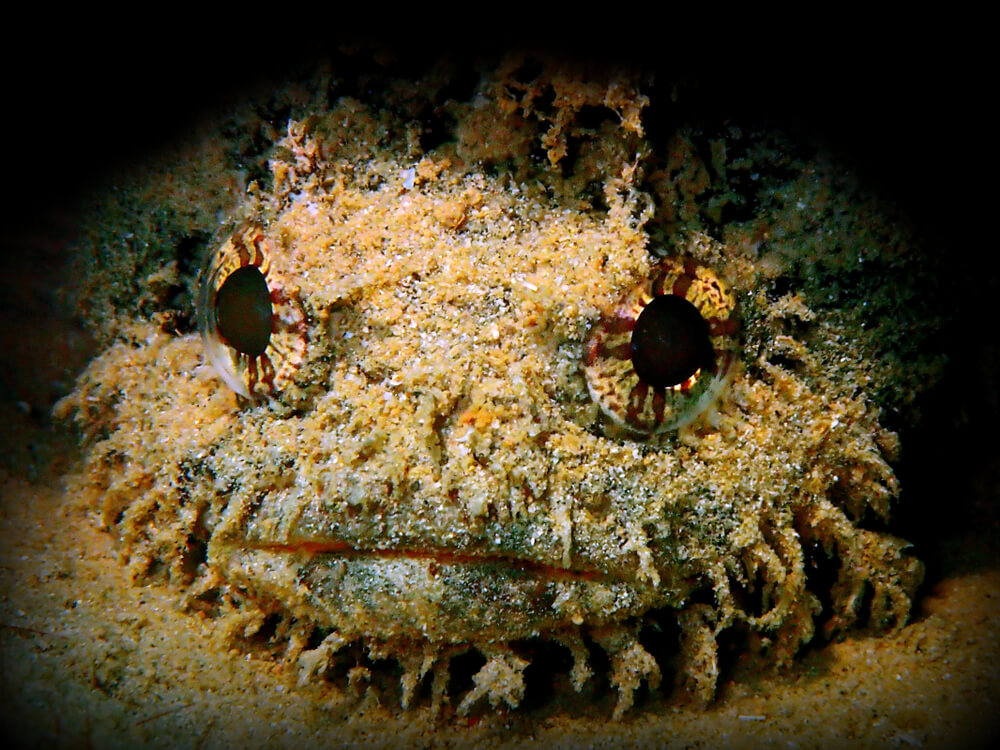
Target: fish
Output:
[(447, 401)]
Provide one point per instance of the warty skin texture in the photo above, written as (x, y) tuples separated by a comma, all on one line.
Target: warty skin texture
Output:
[(431, 474)]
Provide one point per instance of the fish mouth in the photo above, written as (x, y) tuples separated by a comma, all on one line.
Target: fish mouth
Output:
[(437, 557), (442, 596)]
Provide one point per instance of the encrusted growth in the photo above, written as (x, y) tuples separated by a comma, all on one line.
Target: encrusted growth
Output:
[(448, 485)]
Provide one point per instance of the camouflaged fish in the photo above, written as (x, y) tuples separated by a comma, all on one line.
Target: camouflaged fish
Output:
[(434, 408)]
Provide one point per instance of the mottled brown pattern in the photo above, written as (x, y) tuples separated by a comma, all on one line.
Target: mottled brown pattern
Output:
[(435, 478)]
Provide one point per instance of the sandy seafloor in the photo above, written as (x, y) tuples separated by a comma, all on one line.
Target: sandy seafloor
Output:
[(89, 658)]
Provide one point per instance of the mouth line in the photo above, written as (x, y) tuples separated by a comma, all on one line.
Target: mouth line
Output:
[(443, 558)]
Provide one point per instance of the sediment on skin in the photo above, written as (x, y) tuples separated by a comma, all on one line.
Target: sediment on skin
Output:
[(449, 294)]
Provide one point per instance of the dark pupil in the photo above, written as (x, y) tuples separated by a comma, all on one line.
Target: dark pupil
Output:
[(243, 311), (670, 342)]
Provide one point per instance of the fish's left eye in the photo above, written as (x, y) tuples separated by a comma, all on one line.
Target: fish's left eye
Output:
[(670, 342), (663, 355), (252, 326)]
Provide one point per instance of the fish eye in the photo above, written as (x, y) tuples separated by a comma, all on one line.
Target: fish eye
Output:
[(252, 326), (664, 353), (670, 342), (243, 311)]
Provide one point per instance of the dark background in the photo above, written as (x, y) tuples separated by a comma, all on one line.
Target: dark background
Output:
[(908, 111)]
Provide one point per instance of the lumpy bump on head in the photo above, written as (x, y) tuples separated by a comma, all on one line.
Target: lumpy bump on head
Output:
[(243, 311)]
